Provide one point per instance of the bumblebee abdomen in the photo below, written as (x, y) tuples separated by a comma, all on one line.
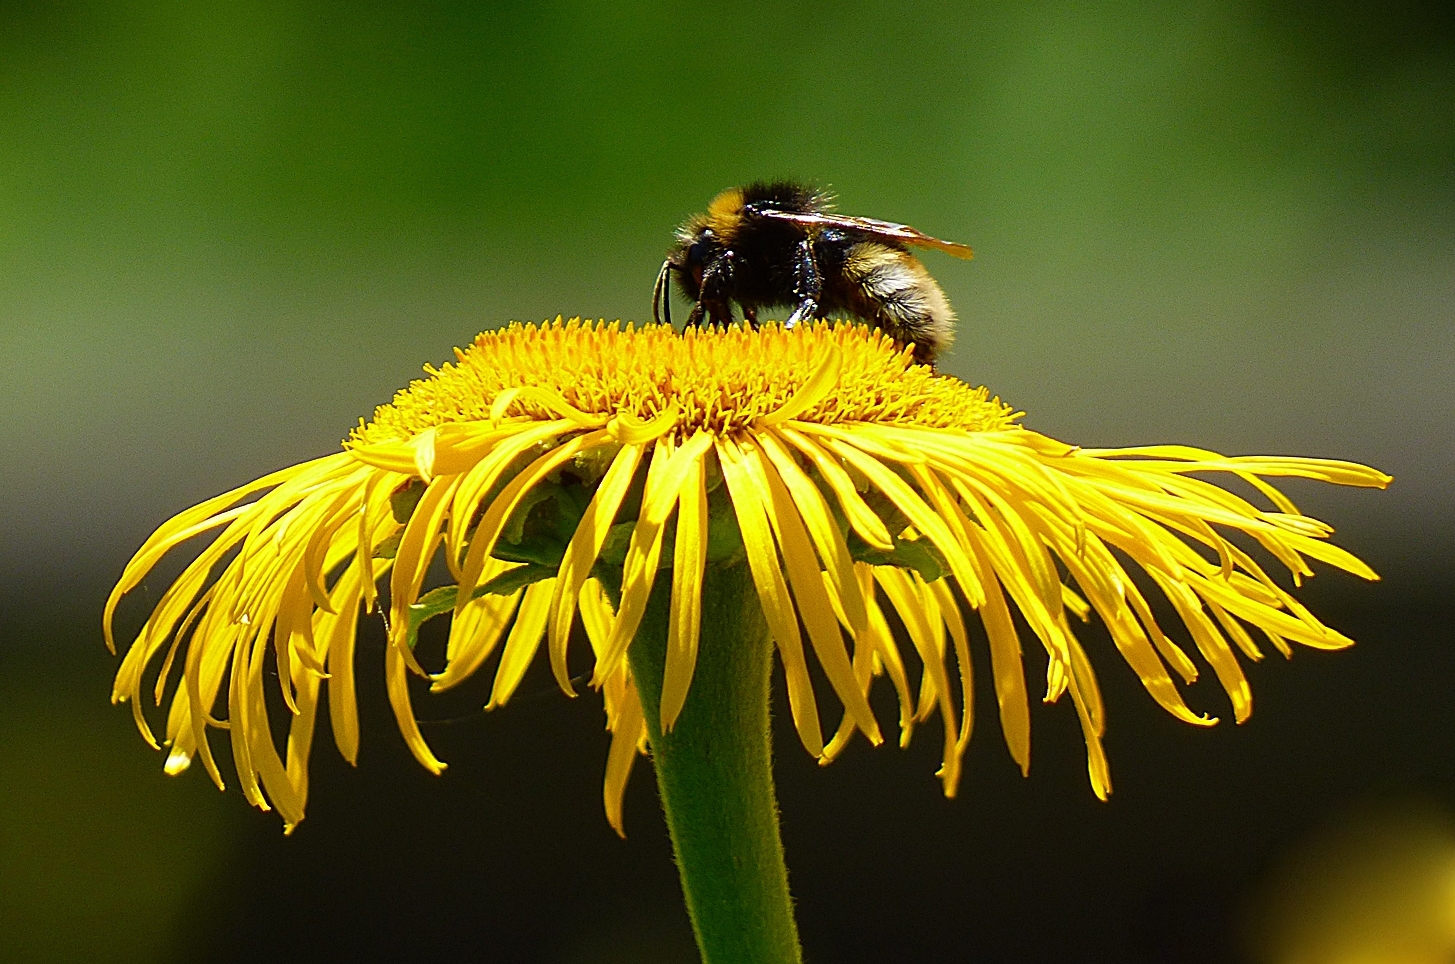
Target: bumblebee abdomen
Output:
[(890, 287)]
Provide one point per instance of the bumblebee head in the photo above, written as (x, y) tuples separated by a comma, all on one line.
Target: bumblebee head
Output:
[(697, 246), (701, 240)]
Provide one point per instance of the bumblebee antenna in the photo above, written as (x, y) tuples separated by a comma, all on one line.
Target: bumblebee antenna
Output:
[(662, 294)]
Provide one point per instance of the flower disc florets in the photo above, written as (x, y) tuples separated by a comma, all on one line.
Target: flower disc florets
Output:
[(720, 381), (560, 469)]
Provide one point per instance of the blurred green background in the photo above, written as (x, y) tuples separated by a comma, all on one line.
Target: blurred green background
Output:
[(227, 232)]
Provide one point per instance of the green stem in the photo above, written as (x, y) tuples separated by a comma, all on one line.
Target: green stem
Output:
[(714, 774)]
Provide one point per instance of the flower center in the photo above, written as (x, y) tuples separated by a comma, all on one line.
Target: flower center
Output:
[(720, 380)]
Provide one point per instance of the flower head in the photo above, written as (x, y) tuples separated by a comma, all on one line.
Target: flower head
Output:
[(567, 468)]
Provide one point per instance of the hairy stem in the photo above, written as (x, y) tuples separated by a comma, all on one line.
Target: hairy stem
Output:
[(714, 774)]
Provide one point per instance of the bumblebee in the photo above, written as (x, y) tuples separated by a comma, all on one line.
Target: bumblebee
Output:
[(773, 244)]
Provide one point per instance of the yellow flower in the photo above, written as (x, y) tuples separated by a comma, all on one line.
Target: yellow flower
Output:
[(565, 468)]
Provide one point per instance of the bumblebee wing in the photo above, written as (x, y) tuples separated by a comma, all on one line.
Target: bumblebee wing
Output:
[(902, 233)]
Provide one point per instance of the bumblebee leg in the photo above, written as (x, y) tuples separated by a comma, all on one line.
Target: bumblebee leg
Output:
[(699, 311), (712, 297), (808, 284), (713, 312), (750, 315)]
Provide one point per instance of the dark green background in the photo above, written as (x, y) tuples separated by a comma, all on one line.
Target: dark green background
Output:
[(225, 234)]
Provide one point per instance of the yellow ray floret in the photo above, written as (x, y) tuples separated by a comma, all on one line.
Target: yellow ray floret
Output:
[(558, 468)]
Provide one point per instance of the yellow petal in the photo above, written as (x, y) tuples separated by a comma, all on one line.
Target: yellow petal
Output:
[(921, 516), (475, 634), (1210, 643), (772, 592), (950, 612), (1005, 658), (525, 638), (828, 541), (627, 429), (685, 622), (665, 477), (1087, 700), (340, 631), (411, 562), (805, 576), (597, 615), (396, 678), (863, 519), (908, 602), (581, 554), (826, 373), (630, 729)]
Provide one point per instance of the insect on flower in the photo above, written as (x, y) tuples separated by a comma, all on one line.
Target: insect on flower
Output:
[(781, 244)]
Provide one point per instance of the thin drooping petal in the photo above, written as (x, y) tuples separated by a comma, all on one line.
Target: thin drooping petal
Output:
[(476, 632), (525, 638), (927, 633), (685, 625), (629, 731), (582, 551), (396, 676), (828, 541), (809, 590), (768, 577), (411, 562), (671, 469)]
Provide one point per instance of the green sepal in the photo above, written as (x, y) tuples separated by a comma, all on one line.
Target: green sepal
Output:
[(589, 466), (618, 539), (439, 601), (514, 529), (403, 500), (918, 554), (515, 579), (724, 538), (537, 552), (430, 605), (894, 519), (388, 547), (542, 525)]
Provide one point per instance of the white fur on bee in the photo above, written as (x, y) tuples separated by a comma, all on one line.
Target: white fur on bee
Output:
[(901, 294)]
